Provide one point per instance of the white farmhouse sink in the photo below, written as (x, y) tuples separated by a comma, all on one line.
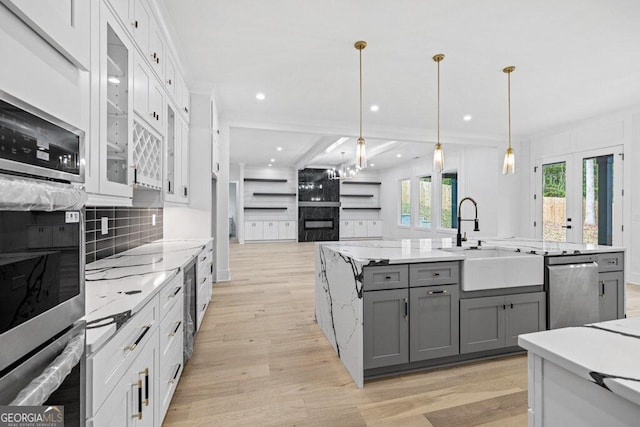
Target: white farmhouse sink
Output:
[(492, 268)]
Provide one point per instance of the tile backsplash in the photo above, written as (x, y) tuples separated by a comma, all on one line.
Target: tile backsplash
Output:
[(127, 229)]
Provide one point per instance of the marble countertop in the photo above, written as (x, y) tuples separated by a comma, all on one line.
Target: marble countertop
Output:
[(604, 353), (117, 287), (444, 249)]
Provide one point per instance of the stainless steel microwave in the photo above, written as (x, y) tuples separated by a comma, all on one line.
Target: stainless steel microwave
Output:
[(34, 143)]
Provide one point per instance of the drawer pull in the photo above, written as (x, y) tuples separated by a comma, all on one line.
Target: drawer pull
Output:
[(204, 279), (176, 292), (203, 258), (139, 414), (436, 274), (135, 344), (146, 386), (204, 306), (175, 375), (175, 331), (437, 292), (611, 261)]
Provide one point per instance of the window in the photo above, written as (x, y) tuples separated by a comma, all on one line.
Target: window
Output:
[(597, 200), (424, 206), (405, 202), (448, 217)]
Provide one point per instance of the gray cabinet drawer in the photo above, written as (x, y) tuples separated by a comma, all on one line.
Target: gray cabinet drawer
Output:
[(385, 277), (434, 273), (611, 261)]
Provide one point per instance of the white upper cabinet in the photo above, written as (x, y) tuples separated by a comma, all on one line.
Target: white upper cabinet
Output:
[(184, 160), (183, 97), (170, 76), (141, 24), (64, 24), (148, 96), (156, 49), (124, 11)]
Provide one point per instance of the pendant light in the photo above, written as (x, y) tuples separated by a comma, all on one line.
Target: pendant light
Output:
[(509, 158), (438, 154), (361, 154)]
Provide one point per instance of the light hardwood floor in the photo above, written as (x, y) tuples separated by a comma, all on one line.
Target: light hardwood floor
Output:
[(261, 360)]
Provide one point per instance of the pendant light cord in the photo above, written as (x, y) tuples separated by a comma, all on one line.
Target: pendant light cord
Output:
[(360, 93), (438, 102), (509, 104)]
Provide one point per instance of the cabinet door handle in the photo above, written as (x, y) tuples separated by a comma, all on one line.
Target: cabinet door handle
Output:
[(602, 289), (185, 191), (202, 258), (135, 344), (146, 387), (437, 292), (204, 279), (203, 306), (504, 306), (387, 277), (169, 81), (611, 262), (406, 308), (175, 331), (176, 292), (139, 414), (511, 306), (135, 24), (175, 375)]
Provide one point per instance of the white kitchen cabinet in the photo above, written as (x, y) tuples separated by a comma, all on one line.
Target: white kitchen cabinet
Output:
[(215, 153), (64, 24), (360, 228), (183, 96), (116, 118), (288, 230), (374, 228), (156, 49), (170, 76), (346, 229), (124, 11), (270, 230), (148, 96), (141, 24), (253, 230), (184, 161)]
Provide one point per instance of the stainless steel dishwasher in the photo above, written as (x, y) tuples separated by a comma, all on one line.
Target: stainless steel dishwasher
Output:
[(571, 283)]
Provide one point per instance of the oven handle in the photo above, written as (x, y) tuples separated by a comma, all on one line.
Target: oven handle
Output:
[(41, 387)]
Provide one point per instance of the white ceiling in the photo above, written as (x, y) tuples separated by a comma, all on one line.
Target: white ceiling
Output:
[(574, 59)]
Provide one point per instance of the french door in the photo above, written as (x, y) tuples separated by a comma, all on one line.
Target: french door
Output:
[(579, 197)]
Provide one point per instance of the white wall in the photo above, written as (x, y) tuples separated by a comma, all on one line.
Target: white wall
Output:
[(479, 176), (617, 128)]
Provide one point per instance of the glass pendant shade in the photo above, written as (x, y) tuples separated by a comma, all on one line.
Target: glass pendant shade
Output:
[(509, 165), (438, 158), (361, 155)]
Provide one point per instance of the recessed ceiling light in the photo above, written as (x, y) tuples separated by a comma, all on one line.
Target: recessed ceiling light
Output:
[(398, 155), (467, 117), (372, 164), (375, 108), (336, 144), (260, 96), (279, 148), (273, 160), (114, 80), (269, 164)]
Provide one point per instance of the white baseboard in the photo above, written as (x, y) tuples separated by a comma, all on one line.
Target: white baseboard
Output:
[(223, 276)]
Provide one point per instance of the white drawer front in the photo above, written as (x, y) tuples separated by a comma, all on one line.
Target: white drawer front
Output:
[(172, 328), (171, 367), (109, 364), (170, 294)]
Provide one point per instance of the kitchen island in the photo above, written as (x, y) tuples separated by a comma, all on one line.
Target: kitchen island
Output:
[(587, 376), (395, 306)]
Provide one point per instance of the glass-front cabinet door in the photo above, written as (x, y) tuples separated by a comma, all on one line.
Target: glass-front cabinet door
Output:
[(579, 197), (116, 171)]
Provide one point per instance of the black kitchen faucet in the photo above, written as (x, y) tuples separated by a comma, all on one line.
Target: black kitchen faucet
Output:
[(475, 220)]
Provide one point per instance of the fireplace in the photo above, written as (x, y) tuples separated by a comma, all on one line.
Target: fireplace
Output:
[(318, 206)]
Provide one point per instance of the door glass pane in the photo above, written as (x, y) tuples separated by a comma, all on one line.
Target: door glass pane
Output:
[(117, 109), (448, 218), (554, 202), (424, 209), (405, 202), (597, 200)]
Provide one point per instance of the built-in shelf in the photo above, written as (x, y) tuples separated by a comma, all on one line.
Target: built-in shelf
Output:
[(113, 69), (265, 208), (275, 194), (362, 209), (356, 195), (264, 180), (362, 182)]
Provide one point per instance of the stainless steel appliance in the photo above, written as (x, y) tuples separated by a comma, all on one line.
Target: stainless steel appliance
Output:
[(42, 251), (571, 284), (32, 142)]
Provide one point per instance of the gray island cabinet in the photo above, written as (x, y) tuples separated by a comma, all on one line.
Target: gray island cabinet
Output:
[(388, 307)]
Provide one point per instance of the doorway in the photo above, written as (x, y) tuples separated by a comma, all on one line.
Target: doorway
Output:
[(233, 210), (579, 197)]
